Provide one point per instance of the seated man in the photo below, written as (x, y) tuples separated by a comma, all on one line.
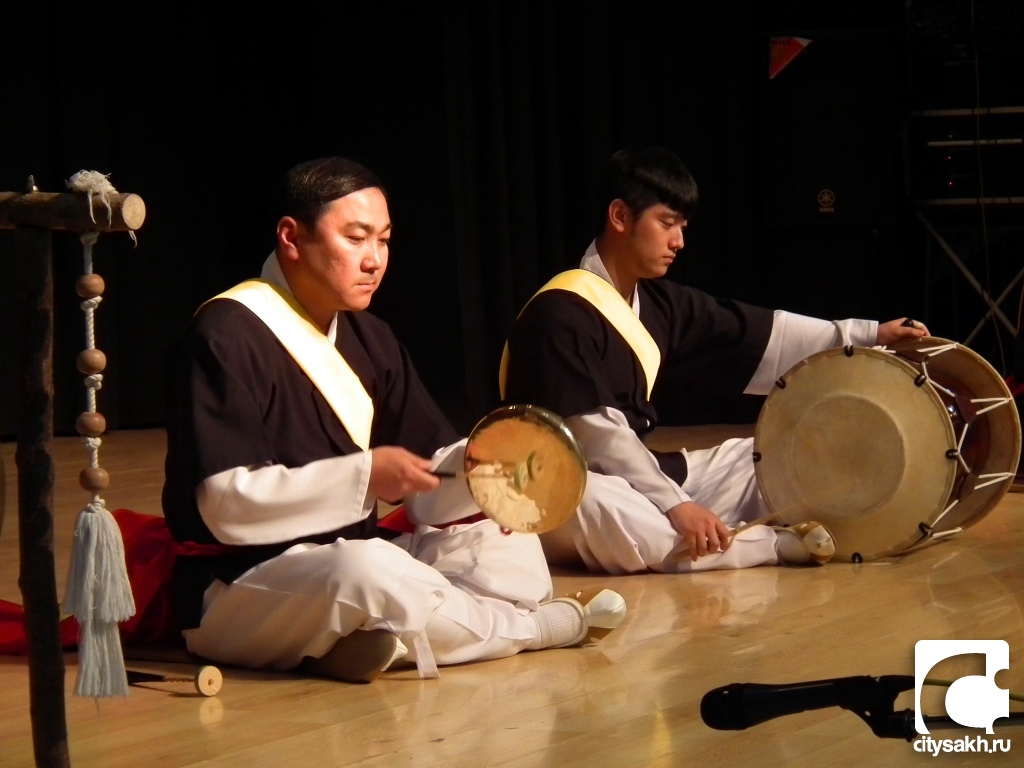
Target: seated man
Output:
[(589, 345), (291, 410)]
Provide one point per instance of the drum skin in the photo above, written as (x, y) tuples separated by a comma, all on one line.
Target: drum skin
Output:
[(553, 469), (871, 443)]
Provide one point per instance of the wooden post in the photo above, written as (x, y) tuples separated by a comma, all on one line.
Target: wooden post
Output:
[(32, 215), (36, 578)]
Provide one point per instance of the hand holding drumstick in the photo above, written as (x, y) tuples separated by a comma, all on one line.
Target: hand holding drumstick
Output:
[(897, 330)]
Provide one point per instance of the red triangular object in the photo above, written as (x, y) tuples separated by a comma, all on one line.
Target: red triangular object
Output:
[(782, 50)]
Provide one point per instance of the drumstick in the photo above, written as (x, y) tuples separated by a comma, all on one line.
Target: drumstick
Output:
[(207, 680), (529, 465), (759, 521)]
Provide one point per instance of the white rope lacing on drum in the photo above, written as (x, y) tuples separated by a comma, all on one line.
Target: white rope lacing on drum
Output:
[(932, 351), (990, 478), (996, 477), (997, 400), (959, 449), (935, 384), (937, 519)]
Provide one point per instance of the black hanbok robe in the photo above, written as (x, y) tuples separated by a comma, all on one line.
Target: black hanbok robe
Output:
[(236, 398), (565, 356)]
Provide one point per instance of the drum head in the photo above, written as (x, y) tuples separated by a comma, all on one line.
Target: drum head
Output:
[(525, 468), (849, 439)]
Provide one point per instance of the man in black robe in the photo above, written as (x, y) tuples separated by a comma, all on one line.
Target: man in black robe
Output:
[(291, 410), (589, 345)]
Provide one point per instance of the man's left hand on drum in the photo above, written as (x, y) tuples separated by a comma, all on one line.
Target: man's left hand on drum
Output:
[(897, 330)]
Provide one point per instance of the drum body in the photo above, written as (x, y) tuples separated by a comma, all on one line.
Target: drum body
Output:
[(888, 448)]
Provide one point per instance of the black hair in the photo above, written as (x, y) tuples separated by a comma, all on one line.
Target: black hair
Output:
[(307, 189), (642, 178)]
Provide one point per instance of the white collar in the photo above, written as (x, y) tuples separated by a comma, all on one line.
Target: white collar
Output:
[(272, 271), (592, 263)]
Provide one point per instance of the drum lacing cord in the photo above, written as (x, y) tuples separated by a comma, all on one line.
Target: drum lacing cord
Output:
[(933, 351), (928, 531), (996, 402), (958, 453), (990, 478), (994, 477)]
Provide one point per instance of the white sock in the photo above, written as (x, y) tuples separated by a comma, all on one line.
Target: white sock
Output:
[(558, 623)]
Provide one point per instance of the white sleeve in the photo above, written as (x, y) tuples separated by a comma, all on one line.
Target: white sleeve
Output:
[(451, 500), (795, 337), (612, 448), (266, 505)]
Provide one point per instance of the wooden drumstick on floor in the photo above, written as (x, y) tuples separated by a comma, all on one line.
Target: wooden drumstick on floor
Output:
[(207, 680), (766, 520)]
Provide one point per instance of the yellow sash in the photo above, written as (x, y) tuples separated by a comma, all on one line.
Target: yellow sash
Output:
[(314, 353), (616, 310)]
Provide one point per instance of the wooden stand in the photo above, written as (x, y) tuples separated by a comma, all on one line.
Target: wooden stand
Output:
[(33, 216)]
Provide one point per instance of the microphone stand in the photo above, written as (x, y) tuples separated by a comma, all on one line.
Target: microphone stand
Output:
[(940, 722), (872, 699)]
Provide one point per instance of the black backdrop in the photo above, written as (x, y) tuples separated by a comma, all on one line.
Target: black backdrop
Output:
[(488, 122)]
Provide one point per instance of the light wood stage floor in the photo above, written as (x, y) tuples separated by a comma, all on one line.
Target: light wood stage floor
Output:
[(632, 700)]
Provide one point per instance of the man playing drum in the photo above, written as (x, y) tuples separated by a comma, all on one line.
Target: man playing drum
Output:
[(589, 345), (291, 410)]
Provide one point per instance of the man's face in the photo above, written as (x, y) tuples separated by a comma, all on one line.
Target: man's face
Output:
[(345, 256), (654, 237)]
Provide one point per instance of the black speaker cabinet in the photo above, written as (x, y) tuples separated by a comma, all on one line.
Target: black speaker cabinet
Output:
[(830, 131)]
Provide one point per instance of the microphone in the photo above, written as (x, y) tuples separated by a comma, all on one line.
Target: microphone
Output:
[(740, 705)]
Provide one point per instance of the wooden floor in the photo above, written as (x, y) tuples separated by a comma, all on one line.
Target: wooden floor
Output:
[(633, 700)]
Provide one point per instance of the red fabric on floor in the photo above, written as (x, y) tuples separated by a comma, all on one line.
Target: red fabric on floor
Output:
[(150, 551)]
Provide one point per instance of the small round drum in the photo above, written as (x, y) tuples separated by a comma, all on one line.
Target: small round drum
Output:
[(888, 448), (525, 468)]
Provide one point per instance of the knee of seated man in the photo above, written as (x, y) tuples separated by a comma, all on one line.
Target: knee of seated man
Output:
[(363, 561), (610, 494)]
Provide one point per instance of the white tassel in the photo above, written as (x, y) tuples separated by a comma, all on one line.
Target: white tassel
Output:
[(104, 675), (99, 595)]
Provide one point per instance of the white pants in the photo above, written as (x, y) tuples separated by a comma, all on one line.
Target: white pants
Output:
[(452, 595), (618, 530)]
